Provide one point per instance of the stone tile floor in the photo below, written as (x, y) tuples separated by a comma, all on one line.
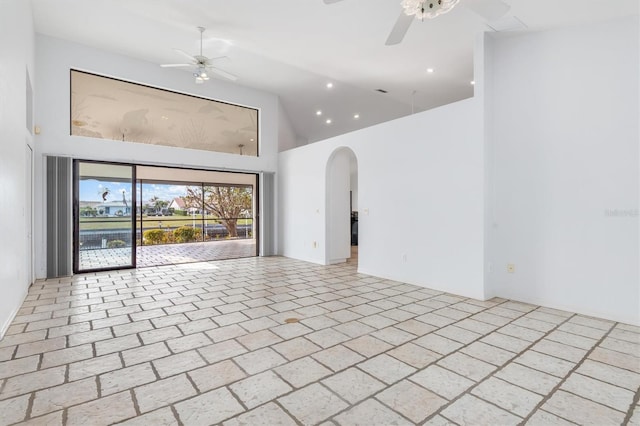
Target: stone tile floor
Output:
[(167, 254), (208, 343)]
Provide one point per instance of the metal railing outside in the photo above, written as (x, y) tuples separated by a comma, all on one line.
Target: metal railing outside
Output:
[(92, 239)]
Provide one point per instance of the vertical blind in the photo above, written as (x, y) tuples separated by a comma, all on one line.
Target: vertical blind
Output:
[(59, 215)]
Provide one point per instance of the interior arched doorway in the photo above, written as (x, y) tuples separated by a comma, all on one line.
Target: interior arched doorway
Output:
[(341, 202)]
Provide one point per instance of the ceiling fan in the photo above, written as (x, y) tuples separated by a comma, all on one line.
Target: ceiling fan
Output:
[(420, 9), (202, 65)]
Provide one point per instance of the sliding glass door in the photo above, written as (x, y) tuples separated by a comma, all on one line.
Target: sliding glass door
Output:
[(127, 216), (104, 216)]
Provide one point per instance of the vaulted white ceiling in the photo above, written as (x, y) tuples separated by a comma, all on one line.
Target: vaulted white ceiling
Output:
[(292, 48)]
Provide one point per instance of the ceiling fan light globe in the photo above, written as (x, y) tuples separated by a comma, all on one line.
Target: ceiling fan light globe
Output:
[(429, 9), (411, 7)]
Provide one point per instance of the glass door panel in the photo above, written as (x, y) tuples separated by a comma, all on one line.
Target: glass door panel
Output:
[(165, 214), (104, 212), (229, 210)]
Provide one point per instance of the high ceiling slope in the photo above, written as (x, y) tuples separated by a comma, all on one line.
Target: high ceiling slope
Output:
[(293, 48)]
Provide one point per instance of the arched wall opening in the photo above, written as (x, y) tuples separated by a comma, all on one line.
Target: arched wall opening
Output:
[(341, 201)]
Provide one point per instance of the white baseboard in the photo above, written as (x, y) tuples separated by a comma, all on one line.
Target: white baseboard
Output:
[(12, 315)]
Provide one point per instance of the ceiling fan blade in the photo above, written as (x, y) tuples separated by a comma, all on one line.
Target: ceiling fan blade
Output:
[(185, 54), (175, 65), (222, 73), (331, 1), (399, 29), (208, 62), (490, 10)]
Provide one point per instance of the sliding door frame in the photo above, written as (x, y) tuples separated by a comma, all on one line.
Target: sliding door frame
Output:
[(256, 195), (134, 213), (76, 217)]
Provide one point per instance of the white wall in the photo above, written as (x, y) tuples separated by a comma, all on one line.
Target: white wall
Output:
[(540, 170), (16, 56), (338, 216), (287, 138), (353, 184), (484, 92), (354, 189), (565, 141), (420, 198), (56, 57)]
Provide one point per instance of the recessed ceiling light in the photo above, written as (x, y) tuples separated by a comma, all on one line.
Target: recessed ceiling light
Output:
[(328, 121), (473, 82), (164, 117), (329, 85), (430, 70), (251, 140), (356, 116), (318, 112)]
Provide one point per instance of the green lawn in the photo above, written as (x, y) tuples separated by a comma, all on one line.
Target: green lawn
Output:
[(148, 222)]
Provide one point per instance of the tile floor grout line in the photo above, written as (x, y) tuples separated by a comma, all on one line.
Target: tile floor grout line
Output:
[(582, 374), (547, 355), (349, 405), (98, 386), (193, 383), (238, 399), (285, 285), (389, 385), (372, 396), (493, 373), (623, 353), (568, 374), (176, 415), (28, 413), (134, 399), (556, 415), (595, 402), (153, 368), (294, 389), (65, 415), (445, 417), (634, 403), (285, 409), (15, 352)]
